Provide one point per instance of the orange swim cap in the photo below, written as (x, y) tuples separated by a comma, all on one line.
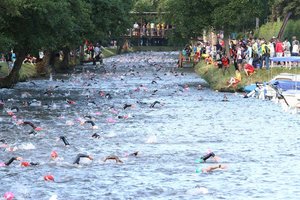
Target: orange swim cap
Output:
[(25, 164), (48, 178)]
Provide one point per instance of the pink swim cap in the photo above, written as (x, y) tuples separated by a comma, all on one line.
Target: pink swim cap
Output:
[(38, 129), (9, 196), (111, 120)]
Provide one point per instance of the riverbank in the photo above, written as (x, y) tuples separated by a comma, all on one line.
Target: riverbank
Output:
[(218, 81)]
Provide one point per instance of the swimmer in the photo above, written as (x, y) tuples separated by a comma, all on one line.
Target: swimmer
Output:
[(153, 93), (32, 125), (77, 159), (116, 158), (53, 155), (70, 102), (127, 106), (141, 103), (199, 87), (10, 161), (92, 123), (135, 154), (14, 109), (225, 98), (88, 117), (153, 104), (207, 156), (95, 135), (153, 82), (27, 164), (108, 96), (65, 141), (213, 168)]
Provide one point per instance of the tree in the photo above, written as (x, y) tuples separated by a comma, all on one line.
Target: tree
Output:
[(282, 7), (110, 18), (27, 26), (190, 17), (74, 29)]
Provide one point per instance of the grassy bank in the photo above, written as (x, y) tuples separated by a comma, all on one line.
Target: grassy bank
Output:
[(27, 71), (217, 81)]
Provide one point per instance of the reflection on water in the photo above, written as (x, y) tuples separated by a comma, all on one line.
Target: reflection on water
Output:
[(257, 141)]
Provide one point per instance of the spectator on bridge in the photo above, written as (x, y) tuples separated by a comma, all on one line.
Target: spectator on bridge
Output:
[(152, 27), (158, 29)]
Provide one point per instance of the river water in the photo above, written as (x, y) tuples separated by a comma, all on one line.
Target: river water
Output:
[(256, 140)]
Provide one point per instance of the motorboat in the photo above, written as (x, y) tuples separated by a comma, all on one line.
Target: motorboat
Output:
[(291, 98)]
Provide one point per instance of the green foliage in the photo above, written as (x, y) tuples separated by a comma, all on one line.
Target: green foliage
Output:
[(237, 15), (110, 18), (292, 29), (190, 17), (282, 7), (269, 30)]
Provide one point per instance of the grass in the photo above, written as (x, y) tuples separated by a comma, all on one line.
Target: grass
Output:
[(27, 70), (108, 52), (217, 81)]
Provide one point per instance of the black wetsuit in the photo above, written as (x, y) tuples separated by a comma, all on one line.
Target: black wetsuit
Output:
[(30, 124), (10, 161), (153, 104), (64, 139), (207, 156), (77, 159), (91, 122), (127, 106), (95, 135)]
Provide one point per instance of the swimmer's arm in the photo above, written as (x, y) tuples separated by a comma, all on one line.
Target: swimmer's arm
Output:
[(12, 160), (216, 158)]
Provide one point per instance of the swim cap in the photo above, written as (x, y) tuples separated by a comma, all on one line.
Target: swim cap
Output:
[(48, 178), (25, 164), (54, 154), (38, 129), (8, 196)]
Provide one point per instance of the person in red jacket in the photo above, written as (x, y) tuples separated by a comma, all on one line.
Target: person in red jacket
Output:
[(279, 49), (225, 63), (249, 69)]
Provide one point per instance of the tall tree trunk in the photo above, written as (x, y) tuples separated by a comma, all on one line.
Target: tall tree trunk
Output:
[(120, 44), (65, 63), (13, 77), (52, 58)]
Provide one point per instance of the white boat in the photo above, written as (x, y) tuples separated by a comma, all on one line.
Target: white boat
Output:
[(286, 77), (282, 77), (292, 98)]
